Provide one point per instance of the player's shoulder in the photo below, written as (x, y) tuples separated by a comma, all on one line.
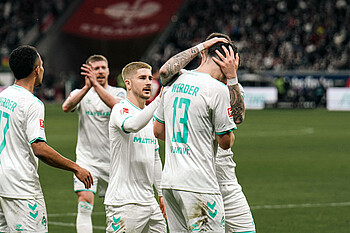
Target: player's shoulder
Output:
[(117, 91), (27, 97)]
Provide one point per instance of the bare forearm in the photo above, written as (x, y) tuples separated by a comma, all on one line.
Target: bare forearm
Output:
[(237, 103), (177, 62), (159, 130), (226, 141), (51, 157), (71, 102), (107, 98)]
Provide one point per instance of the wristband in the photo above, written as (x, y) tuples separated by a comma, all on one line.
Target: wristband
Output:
[(232, 81), (200, 47)]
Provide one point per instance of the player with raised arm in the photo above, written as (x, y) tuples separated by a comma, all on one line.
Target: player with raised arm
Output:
[(194, 109), (135, 163), (238, 217), (92, 150), (22, 205)]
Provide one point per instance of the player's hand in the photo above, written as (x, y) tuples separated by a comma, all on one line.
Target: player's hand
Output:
[(162, 206), (84, 176), (228, 63), (87, 71), (207, 44), (87, 82)]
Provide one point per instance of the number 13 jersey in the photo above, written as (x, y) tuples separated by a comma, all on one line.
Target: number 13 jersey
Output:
[(194, 108)]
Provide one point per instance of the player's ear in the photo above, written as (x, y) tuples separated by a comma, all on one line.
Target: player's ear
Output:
[(127, 84), (36, 70)]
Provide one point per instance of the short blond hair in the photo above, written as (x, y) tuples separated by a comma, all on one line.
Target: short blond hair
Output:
[(96, 57), (132, 67)]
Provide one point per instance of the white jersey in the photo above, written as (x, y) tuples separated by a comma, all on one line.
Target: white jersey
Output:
[(194, 108), (133, 159), (225, 166), (21, 123), (92, 149)]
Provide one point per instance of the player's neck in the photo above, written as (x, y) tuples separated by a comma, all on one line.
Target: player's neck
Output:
[(27, 83), (210, 68), (137, 101)]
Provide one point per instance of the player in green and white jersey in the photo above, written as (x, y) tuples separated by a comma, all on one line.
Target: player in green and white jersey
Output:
[(194, 110), (238, 217), (23, 141), (135, 163), (92, 150)]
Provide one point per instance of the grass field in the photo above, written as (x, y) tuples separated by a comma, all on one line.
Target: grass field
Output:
[(293, 165)]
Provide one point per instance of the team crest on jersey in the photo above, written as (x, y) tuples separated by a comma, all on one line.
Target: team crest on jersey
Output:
[(124, 111), (229, 112), (42, 124)]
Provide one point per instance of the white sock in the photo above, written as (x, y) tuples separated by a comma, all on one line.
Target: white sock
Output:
[(84, 223)]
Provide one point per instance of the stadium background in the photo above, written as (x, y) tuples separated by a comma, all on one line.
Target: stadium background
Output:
[(292, 154)]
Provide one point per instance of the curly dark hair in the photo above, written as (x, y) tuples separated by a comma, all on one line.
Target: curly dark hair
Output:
[(23, 60)]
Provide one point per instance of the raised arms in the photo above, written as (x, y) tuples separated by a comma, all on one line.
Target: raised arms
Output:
[(172, 67)]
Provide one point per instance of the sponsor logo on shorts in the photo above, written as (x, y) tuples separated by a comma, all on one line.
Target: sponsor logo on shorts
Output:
[(116, 223), (33, 213), (211, 211), (19, 227), (44, 221)]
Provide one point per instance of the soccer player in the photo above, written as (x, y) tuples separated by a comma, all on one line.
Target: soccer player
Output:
[(135, 163), (194, 111), (238, 217), (92, 150), (23, 141)]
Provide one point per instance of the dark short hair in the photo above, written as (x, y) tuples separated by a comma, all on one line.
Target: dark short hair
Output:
[(218, 45), (23, 60)]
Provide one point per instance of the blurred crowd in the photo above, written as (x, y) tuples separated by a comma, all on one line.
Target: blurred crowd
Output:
[(17, 18), (270, 35)]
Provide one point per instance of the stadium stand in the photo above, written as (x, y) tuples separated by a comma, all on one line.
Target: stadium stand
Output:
[(18, 18), (271, 35)]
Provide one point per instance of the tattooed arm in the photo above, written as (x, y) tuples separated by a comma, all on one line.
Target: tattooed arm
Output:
[(170, 70), (237, 103), (229, 66)]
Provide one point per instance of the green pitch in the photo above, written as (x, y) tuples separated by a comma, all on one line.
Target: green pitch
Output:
[(293, 165)]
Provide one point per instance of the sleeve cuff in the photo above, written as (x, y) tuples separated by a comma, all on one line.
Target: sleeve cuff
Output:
[(37, 139), (159, 120)]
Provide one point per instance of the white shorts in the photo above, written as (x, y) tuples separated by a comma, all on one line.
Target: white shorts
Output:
[(135, 218), (189, 211), (238, 217), (23, 215), (100, 181)]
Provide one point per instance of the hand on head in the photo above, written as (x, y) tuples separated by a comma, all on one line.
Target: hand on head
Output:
[(228, 63)]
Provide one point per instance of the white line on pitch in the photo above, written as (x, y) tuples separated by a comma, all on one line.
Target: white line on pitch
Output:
[(305, 205), (67, 224), (285, 206), (291, 132)]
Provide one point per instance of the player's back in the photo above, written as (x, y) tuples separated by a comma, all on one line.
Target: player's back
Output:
[(19, 110), (195, 108)]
